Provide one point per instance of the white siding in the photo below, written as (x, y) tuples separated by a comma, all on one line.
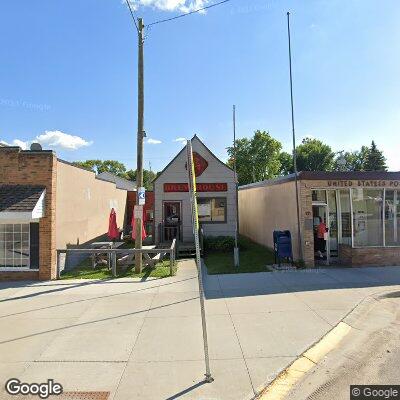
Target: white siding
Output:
[(216, 172)]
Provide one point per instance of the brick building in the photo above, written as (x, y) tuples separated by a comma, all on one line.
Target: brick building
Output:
[(47, 203), (360, 209)]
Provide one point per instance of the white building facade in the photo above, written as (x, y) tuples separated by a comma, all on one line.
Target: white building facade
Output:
[(216, 197)]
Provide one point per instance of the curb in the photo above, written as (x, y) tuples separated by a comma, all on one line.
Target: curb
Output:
[(279, 388)]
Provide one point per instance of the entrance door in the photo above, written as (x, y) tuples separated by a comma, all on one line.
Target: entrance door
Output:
[(321, 247), (172, 220)]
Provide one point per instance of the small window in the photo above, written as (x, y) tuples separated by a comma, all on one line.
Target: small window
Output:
[(319, 195), (212, 209)]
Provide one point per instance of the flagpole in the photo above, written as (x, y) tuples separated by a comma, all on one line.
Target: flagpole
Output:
[(236, 259), (300, 241)]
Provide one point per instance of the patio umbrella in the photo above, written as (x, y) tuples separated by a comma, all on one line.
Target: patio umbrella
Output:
[(113, 232), (144, 234)]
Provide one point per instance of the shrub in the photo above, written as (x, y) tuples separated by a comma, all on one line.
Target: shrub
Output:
[(224, 243), (219, 243)]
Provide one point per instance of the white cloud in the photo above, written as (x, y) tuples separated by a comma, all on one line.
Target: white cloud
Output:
[(154, 141), (62, 140), (16, 142), (180, 139), (56, 139), (184, 6)]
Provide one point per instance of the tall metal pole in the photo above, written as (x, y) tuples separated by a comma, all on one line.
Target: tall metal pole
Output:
[(140, 136), (195, 222), (300, 240), (236, 249)]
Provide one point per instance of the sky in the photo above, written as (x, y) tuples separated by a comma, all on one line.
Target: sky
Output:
[(69, 75)]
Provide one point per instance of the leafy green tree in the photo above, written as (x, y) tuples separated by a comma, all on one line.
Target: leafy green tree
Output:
[(257, 158), (351, 161), (287, 166), (99, 166), (117, 168), (148, 177), (314, 155), (91, 165), (375, 160)]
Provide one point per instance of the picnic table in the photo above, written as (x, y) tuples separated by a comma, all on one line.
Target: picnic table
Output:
[(98, 258)]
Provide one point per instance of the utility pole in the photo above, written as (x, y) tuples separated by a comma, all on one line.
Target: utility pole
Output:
[(299, 236), (140, 135)]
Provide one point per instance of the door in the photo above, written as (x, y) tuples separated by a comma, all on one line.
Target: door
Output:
[(321, 246), (172, 220)]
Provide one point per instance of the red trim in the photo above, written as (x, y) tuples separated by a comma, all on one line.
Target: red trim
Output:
[(200, 187)]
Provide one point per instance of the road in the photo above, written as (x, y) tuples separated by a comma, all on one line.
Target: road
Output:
[(370, 354)]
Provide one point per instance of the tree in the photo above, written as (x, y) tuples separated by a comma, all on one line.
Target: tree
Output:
[(257, 158), (287, 166), (148, 177), (375, 160), (91, 165), (351, 161), (117, 168), (314, 155), (99, 166)]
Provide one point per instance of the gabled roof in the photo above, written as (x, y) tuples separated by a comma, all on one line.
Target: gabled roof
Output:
[(19, 198), (184, 148), (120, 183)]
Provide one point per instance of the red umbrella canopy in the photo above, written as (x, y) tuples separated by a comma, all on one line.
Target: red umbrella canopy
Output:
[(113, 232)]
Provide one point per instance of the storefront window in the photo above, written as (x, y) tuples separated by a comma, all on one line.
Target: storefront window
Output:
[(14, 245), (367, 217), (345, 217), (392, 218), (211, 209)]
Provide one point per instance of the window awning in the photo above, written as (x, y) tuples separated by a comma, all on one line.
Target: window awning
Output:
[(21, 202)]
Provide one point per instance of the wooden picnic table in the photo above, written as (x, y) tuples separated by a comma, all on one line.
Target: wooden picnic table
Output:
[(103, 245)]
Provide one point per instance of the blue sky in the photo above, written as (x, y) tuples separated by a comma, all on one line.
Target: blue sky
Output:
[(69, 68)]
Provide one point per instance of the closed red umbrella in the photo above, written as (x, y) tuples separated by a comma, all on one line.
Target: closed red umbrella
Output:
[(144, 234), (113, 232)]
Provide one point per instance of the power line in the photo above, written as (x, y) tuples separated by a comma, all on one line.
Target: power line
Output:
[(132, 14), (189, 13)]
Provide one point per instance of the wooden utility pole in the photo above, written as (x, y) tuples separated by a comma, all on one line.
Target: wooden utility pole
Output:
[(140, 136)]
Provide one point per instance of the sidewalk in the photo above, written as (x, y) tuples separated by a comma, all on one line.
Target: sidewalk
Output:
[(143, 340)]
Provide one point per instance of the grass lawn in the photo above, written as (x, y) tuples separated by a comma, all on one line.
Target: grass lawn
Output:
[(253, 258), (85, 271)]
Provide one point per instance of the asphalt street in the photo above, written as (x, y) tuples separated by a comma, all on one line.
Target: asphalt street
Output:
[(369, 355)]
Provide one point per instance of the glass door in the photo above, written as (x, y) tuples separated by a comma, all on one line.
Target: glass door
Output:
[(322, 241)]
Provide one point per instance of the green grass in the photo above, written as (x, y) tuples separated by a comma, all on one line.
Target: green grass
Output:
[(253, 258), (85, 271)]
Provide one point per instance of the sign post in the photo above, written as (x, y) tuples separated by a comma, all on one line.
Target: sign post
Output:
[(195, 221)]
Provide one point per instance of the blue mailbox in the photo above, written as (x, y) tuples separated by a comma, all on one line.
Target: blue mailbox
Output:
[(283, 246)]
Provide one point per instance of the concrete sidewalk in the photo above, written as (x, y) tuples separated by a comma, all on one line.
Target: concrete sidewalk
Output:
[(143, 340)]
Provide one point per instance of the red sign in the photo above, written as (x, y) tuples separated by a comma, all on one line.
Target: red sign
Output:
[(200, 187), (200, 164)]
